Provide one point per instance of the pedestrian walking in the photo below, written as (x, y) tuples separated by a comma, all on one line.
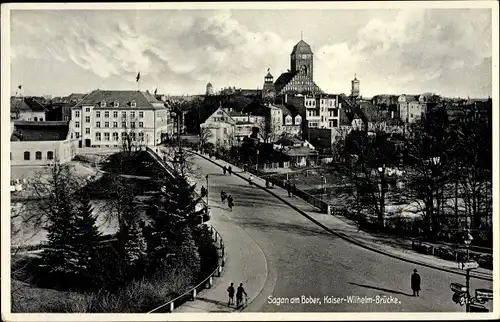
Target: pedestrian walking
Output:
[(289, 188), (223, 196), (294, 189), (230, 170), (250, 180), (239, 295), (203, 191), (224, 169), (230, 202), (230, 292), (415, 283)]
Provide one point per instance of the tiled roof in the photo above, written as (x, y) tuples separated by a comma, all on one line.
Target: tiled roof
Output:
[(236, 113), (143, 100), (373, 114), (269, 75), (40, 131), (283, 79), (302, 48), (299, 151), (35, 105), (18, 104), (288, 141)]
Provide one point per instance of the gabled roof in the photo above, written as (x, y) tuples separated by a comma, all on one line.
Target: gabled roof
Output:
[(143, 100), (283, 79), (40, 131), (373, 113), (26, 105)]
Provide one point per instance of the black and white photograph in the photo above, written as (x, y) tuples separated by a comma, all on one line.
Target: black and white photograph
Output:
[(172, 159)]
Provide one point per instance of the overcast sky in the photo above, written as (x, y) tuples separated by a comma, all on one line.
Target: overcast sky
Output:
[(391, 51)]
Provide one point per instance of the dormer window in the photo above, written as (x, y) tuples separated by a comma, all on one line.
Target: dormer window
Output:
[(298, 120), (116, 104), (133, 104), (288, 120), (103, 103)]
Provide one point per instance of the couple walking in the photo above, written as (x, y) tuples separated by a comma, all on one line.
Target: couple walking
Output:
[(239, 295)]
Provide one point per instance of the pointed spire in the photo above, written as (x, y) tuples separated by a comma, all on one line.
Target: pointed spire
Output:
[(301, 35)]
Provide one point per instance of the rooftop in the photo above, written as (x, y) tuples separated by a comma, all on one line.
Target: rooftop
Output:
[(144, 100), (301, 48), (40, 131)]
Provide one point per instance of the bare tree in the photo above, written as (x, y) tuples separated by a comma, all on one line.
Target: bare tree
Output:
[(132, 138), (204, 135)]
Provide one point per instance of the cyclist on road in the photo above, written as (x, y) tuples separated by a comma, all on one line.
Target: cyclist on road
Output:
[(223, 196)]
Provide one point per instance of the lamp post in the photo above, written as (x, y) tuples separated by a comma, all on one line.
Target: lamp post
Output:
[(467, 241), (206, 177), (257, 164), (381, 171), (324, 184)]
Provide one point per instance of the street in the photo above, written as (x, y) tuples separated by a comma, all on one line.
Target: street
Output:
[(306, 263)]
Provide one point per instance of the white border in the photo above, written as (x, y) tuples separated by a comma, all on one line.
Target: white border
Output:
[(5, 165)]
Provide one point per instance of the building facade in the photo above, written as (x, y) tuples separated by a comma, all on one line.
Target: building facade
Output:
[(411, 108), (220, 128), (40, 143), (26, 109), (105, 118)]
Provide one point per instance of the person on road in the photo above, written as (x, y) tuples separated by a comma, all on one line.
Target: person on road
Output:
[(230, 292), (230, 202), (203, 191), (230, 170), (289, 188), (415, 283), (239, 295), (223, 196), (294, 189), (224, 169), (250, 180)]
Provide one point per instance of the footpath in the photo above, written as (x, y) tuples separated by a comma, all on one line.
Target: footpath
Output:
[(348, 230), (244, 261)]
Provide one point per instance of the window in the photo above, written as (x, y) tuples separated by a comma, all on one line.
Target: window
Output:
[(38, 155), (98, 136), (124, 114), (77, 135), (132, 135), (106, 114), (132, 114), (141, 114), (123, 135), (36, 118), (116, 104), (26, 155), (98, 114), (41, 119), (98, 124), (115, 136), (141, 124), (106, 136), (87, 119), (87, 130), (77, 124), (124, 125), (106, 124), (77, 113), (335, 112), (115, 124), (115, 114), (103, 103), (50, 155), (87, 109), (141, 136), (132, 104), (225, 130), (132, 125)]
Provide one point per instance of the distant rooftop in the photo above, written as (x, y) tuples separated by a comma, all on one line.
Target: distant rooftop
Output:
[(40, 131)]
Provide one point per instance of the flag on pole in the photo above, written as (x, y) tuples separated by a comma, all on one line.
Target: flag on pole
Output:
[(138, 77), (156, 90), (268, 70), (20, 86)]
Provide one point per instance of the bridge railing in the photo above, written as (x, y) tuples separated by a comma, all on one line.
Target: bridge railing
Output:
[(190, 295)]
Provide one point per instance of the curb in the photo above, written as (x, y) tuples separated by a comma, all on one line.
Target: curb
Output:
[(348, 238)]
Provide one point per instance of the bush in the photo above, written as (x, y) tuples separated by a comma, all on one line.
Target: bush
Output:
[(209, 253)]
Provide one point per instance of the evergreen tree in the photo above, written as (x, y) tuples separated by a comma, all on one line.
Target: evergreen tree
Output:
[(173, 212), (133, 241)]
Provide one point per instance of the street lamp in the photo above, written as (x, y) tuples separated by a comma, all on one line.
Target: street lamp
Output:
[(257, 164), (381, 171), (324, 184), (206, 177)]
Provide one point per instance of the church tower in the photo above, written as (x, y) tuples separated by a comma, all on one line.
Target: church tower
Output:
[(210, 90), (268, 90), (355, 87), (301, 58)]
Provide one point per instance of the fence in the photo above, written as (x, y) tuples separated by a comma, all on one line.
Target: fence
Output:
[(207, 283)]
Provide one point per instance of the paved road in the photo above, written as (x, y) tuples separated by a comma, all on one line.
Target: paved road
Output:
[(305, 261)]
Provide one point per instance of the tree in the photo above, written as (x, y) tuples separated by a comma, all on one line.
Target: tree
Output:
[(131, 237), (172, 211), (132, 140), (205, 135)]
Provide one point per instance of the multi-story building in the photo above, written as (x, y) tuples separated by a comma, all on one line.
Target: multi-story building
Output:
[(221, 128), (39, 143), (58, 112), (322, 111), (411, 108), (105, 118)]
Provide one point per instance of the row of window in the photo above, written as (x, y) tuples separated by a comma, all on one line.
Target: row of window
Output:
[(38, 155), (98, 136), (107, 113), (106, 125)]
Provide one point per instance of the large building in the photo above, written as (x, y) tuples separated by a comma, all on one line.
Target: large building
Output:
[(299, 79), (39, 143), (104, 118)]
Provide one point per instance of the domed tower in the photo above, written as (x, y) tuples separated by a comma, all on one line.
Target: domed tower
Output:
[(210, 89), (268, 90), (302, 58), (355, 87)]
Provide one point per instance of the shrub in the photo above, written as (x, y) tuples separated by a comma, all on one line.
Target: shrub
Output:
[(209, 254)]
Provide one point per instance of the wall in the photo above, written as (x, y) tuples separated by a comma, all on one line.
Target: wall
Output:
[(30, 116), (64, 151)]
